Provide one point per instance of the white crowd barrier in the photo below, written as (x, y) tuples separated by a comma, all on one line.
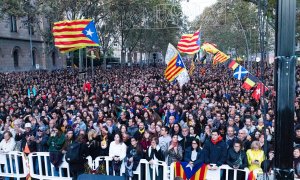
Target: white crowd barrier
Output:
[(38, 166), (13, 164)]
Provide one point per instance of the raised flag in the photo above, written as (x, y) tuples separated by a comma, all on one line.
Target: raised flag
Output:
[(210, 48), (76, 34), (233, 65), (259, 90), (189, 43), (192, 68), (220, 57), (240, 73), (183, 77), (185, 171), (249, 82), (174, 63)]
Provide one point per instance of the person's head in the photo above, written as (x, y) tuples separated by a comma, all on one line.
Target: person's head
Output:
[(7, 135), (257, 134), (28, 127), (141, 126), (185, 131), (237, 145), (56, 129), (248, 121), (297, 131), (171, 119), (261, 138), (131, 122), (104, 130), (123, 128), (230, 131), (51, 123), (154, 142), (146, 134), (176, 128), (242, 134), (296, 152), (117, 138), (164, 131), (214, 134), (192, 130), (91, 134), (70, 134), (255, 145), (133, 141), (195, 143), (175, 138)]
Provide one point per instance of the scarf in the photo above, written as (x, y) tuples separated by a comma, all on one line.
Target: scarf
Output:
[(217, 140), (142, 131), (155, 160)]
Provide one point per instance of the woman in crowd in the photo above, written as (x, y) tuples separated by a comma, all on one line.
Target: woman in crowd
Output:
[(133, 156), (296, 154), (117, 151), (154, 154), (255, 156), (194, 154), (145, 142), (174, 152), (8, 144)]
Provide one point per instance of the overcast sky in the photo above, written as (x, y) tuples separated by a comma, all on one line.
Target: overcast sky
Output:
[(194, 8)]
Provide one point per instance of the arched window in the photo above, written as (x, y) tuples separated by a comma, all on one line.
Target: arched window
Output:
[(33, 57), (53, 58), (16, 57)]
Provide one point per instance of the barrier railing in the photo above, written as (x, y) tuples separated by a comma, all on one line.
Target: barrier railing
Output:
[(13, 164), (39, 167)]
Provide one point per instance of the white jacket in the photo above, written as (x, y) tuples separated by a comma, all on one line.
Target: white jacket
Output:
[(117, 150), (7, 146)]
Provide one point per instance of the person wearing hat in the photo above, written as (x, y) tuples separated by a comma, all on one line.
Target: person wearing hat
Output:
[(27, 139)]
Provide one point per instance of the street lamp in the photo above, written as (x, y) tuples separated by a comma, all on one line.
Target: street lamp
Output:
[(257, 59)]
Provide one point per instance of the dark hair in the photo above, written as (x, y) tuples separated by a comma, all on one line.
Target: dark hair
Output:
[(166, 128), (155, 139), (198, 143), (237, 141), (9, 133), (215, 130)]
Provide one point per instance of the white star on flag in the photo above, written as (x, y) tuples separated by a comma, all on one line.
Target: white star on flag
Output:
[(190, 166), (257, 91), (89, 32), (179, 62)]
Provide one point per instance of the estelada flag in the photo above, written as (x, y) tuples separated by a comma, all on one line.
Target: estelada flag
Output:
[(76, 34), (197, 172), (259, 90), (220, 57)]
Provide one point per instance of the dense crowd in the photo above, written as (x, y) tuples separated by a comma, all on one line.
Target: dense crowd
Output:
[(134, 113)]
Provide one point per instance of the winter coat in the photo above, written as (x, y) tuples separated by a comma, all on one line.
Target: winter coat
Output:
[(237, 158), (215, 153)]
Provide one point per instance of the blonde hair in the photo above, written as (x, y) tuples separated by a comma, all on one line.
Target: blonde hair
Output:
[(255, 143), (91, 134)]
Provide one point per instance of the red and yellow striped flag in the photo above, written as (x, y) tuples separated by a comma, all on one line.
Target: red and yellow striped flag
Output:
[(220, 57), (181, 170), (189, 43), (76, 34)]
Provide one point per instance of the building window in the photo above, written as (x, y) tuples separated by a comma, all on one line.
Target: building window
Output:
[(33, 57), (13, 23), (30, 29), (16, 57), (53, 58)]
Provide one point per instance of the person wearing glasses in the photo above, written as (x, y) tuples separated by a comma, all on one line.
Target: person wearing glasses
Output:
[(237, 159), (194, 155)]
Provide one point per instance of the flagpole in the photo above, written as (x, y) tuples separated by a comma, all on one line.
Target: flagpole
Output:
[(86, 62)]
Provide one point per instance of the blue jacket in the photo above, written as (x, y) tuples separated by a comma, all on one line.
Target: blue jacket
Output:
[(188, 155), (215, 153), (175, 114)]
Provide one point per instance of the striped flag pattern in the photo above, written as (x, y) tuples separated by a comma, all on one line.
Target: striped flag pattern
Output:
[(174, 68), (189, 43), (76, 34), (200, 174), (220, 57)]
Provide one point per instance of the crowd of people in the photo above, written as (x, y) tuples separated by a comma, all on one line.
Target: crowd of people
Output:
[(130, 114)]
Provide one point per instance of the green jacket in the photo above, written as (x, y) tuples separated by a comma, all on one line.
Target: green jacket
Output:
[(56, 143)]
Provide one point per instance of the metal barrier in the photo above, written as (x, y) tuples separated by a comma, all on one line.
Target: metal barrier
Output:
[(46, 170), (13, 164), (38, 166)]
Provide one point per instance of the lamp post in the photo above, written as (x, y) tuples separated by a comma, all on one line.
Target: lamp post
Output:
[(257, 59)]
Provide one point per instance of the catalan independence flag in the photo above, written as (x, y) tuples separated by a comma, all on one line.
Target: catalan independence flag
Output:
[(76, 34), (189, 43), (174, 63), (197, 172)]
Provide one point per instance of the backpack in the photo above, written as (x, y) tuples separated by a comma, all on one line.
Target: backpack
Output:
[(73, 153)]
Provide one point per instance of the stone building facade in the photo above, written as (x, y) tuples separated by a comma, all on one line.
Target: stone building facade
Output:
[(15, 48)]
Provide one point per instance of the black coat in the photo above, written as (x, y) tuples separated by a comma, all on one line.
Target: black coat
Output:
[(136, 154), (232, 158), (215, 153), (158, 154), (188, 155)]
